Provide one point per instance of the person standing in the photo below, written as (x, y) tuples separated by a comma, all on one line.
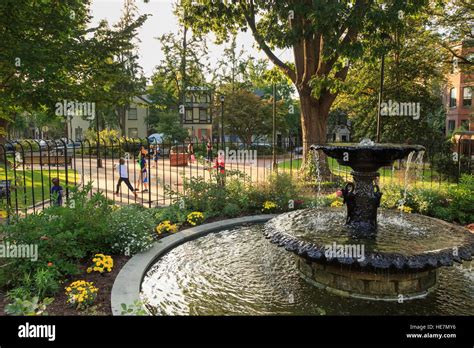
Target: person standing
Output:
[(143, 177), (192, 158), (56, 193), (219, 165), (123, 177), (209, 150), (156, 155)]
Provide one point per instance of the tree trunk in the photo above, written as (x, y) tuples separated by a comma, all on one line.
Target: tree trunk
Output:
[(314, 117)]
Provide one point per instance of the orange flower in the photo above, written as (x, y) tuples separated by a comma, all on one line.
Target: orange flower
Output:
[(50, 264)]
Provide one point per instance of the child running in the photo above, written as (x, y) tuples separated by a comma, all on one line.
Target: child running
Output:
[(123, 173)]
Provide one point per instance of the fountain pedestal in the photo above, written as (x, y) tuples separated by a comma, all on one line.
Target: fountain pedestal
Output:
[(362, 199), (368, 284)]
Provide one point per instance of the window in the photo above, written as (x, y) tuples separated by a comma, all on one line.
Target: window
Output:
[(467, 96), (202, 115), (465, 124), (132, 114), (451, 125), (189, 115), (195, 115), (452, 98), (204, 98), (133, 132)]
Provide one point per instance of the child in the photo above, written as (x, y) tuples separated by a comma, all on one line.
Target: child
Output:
[(143, 178), (123, 173), (56, 193), (219, 164), (156, 155)]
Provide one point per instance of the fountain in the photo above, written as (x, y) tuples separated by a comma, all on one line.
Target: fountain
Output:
[(359, 257), (321, 260)]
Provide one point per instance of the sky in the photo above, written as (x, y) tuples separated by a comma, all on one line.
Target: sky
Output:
[(163, 21)]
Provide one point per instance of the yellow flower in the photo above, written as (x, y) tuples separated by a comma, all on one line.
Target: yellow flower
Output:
[(336, 204), (268, 205), (195, 218)]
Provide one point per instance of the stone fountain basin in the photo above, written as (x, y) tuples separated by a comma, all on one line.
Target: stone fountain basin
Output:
[(413, 242), (368, 158)]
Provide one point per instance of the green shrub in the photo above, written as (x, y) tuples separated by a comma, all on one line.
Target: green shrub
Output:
[(461, 200), (172, 213), (64, 236), (28, 306), (132, 228), (231, 210)]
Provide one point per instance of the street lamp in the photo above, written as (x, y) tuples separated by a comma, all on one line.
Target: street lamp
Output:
[(274, 164), (385, 38), (222, 119)]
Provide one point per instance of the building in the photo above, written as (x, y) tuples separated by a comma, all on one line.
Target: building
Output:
[(197, 116), (458, 94), (136, 121), (340, 133)]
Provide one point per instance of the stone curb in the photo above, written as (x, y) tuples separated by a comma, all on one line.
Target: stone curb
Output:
[(126, 288)]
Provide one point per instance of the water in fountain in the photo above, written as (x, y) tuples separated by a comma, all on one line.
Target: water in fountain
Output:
[(419, 166), (402, 201), (366, 142), (317, 164)]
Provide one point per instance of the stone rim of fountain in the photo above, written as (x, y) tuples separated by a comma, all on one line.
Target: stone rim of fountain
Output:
[(379, 260)]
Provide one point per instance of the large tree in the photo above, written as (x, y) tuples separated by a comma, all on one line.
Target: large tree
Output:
[(412, 75), (324, 35)]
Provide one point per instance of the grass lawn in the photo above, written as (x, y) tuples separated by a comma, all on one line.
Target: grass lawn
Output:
[(32, 186), (426, 177)]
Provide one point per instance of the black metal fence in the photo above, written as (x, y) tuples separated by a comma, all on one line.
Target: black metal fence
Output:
[(29, 166)]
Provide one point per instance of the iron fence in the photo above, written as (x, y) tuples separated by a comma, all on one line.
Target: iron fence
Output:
[(30, 165)]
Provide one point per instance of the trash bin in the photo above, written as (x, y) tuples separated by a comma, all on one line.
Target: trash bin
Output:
[(178, 156)]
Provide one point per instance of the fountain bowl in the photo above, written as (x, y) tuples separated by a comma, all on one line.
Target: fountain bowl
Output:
[(367, 158)]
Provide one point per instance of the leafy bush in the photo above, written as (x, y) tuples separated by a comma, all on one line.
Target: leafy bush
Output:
[(231, 210), (64, 236), (132, 227), (171, 213), (461, 200), (28, 306)]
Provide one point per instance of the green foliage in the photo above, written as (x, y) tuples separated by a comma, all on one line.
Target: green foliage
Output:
[(172, 213), (132, 228), (135, 308), (28, 306), (64, 236), (237, 196), (461, 200), (231, 210), (455, 205)]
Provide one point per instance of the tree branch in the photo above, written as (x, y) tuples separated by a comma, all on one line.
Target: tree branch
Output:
[(250, 18)]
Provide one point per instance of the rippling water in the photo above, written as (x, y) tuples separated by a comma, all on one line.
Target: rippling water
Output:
[(239, 272)]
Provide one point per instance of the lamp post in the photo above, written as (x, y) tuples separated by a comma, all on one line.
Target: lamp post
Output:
[(222, 120), (385, 37), (274, 164), (99, 161)]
